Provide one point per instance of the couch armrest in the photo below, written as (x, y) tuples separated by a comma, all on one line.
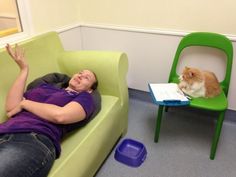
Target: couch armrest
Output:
[(110, 67)]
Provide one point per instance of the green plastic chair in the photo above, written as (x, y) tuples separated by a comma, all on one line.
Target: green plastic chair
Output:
[(218, 103)]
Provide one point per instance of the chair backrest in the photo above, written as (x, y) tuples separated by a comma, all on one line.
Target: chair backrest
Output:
[(206, 39)]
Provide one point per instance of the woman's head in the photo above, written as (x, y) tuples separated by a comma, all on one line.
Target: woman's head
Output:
[(85, 80)]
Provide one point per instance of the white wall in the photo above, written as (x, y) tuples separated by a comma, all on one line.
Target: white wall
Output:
[(51, 15), (184, 15), (71, 38), (149, 56)]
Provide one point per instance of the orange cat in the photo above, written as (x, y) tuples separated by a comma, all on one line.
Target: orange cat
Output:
[(197, 83)]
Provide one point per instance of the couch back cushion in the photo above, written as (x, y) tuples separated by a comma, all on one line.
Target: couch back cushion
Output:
[(41, 53), (109, 66)]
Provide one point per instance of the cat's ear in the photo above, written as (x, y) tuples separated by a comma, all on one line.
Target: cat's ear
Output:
[(187, 68), (190, 73)]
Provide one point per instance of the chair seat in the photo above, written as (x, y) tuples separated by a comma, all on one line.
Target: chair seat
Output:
[(218, 103)]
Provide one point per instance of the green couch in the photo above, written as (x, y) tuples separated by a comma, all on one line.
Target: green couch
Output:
[(85, 149)]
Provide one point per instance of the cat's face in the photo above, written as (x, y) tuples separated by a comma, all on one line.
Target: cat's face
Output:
[(191, 75)]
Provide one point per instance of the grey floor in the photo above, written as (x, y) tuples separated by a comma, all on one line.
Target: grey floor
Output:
[(183, 148)]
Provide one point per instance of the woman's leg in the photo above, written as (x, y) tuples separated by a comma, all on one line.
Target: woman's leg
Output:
[(25, 155)]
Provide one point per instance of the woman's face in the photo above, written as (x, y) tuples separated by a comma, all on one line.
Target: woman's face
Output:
[(82, 81)]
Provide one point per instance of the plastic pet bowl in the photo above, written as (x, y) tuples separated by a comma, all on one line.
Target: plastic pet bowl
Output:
[(131, 153)]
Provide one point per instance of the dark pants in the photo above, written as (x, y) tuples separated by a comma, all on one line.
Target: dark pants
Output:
[(25, 155)]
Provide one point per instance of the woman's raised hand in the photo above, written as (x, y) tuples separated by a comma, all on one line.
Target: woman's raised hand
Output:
[(18, 55)]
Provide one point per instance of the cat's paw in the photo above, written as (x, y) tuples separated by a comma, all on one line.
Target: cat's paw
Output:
[(182, 86)]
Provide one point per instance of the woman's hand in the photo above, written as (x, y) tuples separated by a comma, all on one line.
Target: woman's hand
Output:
[(18, 55)]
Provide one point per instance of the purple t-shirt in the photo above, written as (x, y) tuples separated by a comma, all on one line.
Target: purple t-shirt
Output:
[(28, 122)]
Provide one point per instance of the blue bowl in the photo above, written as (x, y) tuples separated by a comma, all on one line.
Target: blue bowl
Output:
[(131, 153)]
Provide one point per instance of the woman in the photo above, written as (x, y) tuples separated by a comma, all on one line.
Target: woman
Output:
[(30, 139)]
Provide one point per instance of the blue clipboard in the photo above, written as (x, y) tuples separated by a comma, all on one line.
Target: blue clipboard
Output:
[(168, 102)]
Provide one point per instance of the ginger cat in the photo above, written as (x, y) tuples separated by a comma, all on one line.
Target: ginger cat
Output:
[(197, 83)]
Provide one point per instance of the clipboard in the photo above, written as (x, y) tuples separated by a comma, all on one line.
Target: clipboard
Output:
[(168, 94)]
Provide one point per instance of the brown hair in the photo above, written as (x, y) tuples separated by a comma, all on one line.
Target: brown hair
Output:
[(95, 84)]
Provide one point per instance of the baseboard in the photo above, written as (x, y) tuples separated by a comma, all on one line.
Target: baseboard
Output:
[(230, 115), (140, 95)]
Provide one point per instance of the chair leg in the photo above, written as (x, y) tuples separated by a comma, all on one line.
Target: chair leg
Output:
[(158, 123), (217, 134), (166, 108)]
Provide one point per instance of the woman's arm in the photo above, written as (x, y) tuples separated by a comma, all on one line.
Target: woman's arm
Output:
[(15, 94), (70, 113)]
